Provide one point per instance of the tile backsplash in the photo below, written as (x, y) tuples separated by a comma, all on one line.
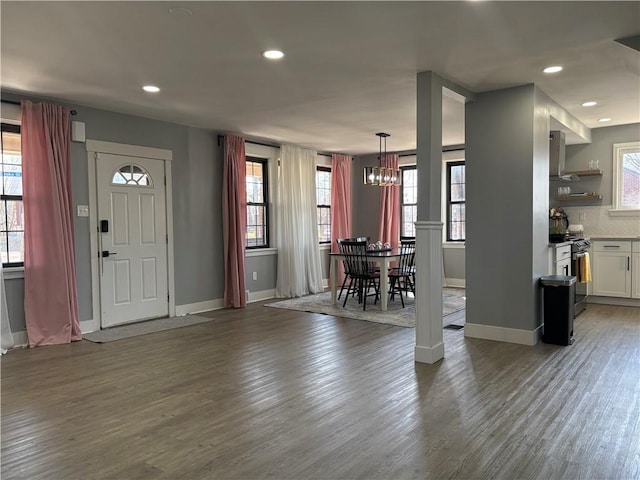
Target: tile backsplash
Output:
[(597, 221)]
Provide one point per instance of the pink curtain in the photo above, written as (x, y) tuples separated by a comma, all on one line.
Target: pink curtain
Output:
[(390, 207), (234, 220), (340, 203), (50, 289)]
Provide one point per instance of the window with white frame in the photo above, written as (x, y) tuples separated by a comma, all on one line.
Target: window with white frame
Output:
[(11, 207), (409, 201), (456, 231), (257, 234), (323, 198), (626, 176)]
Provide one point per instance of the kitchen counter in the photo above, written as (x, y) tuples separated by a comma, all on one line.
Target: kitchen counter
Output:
[(613, 237), (561, 244)]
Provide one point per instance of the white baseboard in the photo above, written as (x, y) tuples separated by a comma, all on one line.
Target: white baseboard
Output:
[(218, 303), (503, 334), (622, 302), (88, 326), (429, 354), (455, 282), (199, 307), (261, 295), (21, 339)]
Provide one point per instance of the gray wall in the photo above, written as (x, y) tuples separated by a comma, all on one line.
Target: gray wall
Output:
[(366, 221), (600, 148), (14, 290), (454, 262), (366, 200), (196, 171), (507, 153), (266, 267), (197, 209), (197, 219)]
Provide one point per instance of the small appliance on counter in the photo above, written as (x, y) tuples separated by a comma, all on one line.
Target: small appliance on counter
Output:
[(576, 230), (558, 225)]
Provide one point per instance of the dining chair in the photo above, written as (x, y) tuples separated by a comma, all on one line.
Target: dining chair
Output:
[(411, 241), (402, 277), (344, 263), (362, 272)]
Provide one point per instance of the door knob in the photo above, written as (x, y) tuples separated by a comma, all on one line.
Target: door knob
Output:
[(107, 253)]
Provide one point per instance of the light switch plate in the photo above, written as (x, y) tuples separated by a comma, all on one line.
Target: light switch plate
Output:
[(83, 210)]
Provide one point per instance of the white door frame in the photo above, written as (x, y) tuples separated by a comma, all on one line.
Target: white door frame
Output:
[(94, 147)]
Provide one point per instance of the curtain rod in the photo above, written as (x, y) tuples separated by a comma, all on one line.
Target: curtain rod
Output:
[(450, 148), (272, 145), (13, 102)]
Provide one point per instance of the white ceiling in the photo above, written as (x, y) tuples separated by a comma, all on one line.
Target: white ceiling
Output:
[(349, 69)]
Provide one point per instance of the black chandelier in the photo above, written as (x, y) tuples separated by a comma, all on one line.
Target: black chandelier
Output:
[(382, 176)]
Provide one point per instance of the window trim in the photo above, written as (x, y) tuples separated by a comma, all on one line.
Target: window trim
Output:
[(403, 168), (265, 196), (449, 202), (323, 168), (618, 150), (13, 128)]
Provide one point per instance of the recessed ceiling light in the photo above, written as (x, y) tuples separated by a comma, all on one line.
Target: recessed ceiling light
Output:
[(180, 12), (589, 104), (605, 119), (553, 69), (151, 89), (273, 54)]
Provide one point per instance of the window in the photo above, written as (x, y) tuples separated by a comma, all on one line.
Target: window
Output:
[(323, 197), (409, 201), (11, 210), (133, 175), (257, 235), (455, 202), (626, 176)]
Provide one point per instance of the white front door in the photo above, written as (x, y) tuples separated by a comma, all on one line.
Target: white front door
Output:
[(132, 243)]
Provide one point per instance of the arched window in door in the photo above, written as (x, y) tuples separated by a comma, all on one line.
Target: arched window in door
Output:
[(133, 175)]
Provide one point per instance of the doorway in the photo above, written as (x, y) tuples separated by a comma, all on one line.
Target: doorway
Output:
[(131, 234)]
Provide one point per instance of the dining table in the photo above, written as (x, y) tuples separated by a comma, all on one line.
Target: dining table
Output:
[(382, 257)]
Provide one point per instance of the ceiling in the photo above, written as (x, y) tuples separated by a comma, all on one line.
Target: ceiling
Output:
[(349, 69)]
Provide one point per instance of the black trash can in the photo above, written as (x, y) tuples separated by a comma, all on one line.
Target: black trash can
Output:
[(558, 294)]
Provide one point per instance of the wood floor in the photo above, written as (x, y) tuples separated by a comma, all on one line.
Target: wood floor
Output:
[(265, 393)]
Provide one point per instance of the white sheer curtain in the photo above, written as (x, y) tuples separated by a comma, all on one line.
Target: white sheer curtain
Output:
[(299, 263), (6, 338)]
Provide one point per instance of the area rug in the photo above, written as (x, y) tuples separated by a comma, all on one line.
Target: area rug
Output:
[(452, 301), (143, 328)]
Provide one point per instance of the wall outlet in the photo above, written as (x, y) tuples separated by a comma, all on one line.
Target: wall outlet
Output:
[(582, 217), (255, 275)]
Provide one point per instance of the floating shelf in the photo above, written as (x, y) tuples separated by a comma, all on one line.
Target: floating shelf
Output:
[(579, 173), (585, 173), (571, 198)]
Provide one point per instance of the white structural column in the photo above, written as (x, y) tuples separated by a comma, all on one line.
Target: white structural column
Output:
[(429, 345)]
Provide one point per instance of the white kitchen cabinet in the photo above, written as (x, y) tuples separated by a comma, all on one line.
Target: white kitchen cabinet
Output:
[(563, 267), (612, 268), (635, 270), (560, 261)]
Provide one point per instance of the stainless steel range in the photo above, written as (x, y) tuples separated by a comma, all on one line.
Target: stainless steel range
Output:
[(579, 248)]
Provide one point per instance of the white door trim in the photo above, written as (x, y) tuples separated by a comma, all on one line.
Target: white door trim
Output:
[(94, 147)]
